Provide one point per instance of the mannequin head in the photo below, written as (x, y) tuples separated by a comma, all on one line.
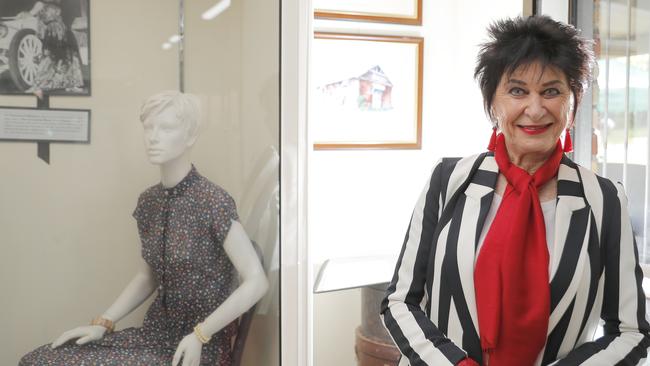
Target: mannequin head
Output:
[(171, 125)]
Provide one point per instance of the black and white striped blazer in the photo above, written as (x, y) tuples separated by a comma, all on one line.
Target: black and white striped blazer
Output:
[(430, 306)]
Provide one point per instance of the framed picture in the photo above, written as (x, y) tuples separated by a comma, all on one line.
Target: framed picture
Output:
[(367, 92), (383, 11), (45, 47)]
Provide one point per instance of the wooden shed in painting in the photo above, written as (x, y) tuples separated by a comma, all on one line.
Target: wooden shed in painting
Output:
[(371, 91)]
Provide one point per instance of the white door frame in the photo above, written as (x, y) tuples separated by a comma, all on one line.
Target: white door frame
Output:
[(295, 282)]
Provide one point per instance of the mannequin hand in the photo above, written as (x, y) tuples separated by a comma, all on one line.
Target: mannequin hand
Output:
[(190, 349), (86, 333)]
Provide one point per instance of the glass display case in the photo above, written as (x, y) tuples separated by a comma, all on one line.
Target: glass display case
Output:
[(73, 77)]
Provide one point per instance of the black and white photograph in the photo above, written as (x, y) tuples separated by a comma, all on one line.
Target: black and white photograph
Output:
[(45, 47)]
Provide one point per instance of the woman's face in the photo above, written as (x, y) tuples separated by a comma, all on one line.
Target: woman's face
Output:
[(532, 106), (165, 137)]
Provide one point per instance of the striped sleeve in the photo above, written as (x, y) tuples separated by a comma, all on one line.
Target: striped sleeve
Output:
[(626, 331), (403, 310)]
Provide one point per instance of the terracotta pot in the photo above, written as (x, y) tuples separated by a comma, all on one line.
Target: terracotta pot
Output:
[(372, 353), (374, 346)]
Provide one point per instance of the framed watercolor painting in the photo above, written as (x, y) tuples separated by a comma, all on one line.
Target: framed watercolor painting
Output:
[(367, 92), (384, 11)]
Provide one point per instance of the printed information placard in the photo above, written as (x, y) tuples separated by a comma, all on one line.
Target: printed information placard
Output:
[(31, 124)]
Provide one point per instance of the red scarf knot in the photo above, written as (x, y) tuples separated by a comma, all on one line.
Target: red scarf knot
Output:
[(521, 180)]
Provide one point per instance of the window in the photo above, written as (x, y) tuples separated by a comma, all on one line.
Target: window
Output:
[(612, 131)]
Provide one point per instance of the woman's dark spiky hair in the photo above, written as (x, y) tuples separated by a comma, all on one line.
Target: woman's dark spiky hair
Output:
[(522, 41)]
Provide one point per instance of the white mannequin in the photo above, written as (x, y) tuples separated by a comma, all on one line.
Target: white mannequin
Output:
[(168, 141)]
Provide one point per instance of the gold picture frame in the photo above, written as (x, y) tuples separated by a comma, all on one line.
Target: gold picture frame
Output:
[(383, 11), (367, 91)]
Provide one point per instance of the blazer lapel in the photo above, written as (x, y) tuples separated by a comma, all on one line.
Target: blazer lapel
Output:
[(478, 198), (568, 252)]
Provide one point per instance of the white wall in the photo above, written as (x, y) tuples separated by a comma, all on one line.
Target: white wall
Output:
[(360, 201), (334, 328), (556, 9), (69, 243)]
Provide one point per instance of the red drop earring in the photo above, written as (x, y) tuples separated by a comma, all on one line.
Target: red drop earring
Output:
[(568, 144), (493, 139)]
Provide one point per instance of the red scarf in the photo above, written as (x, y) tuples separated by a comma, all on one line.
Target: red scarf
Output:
[(511, 274)]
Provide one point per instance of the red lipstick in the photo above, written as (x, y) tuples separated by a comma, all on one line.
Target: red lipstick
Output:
[(535, 130)]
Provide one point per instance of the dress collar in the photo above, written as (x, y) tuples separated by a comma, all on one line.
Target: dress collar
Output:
[(182, 186)]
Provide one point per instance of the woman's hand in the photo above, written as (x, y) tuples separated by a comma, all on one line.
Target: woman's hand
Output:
[(468, 362), (190, 350), (86, 333)]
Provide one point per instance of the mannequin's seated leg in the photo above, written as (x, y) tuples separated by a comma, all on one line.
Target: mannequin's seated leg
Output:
[(92, 354)]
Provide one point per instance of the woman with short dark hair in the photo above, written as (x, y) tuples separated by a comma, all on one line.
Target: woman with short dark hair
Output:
[(512, 256)]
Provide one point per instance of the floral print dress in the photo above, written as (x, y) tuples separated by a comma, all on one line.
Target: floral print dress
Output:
[(182, 230)]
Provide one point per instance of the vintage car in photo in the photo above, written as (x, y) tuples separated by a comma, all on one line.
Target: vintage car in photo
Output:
[(21, 49)]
